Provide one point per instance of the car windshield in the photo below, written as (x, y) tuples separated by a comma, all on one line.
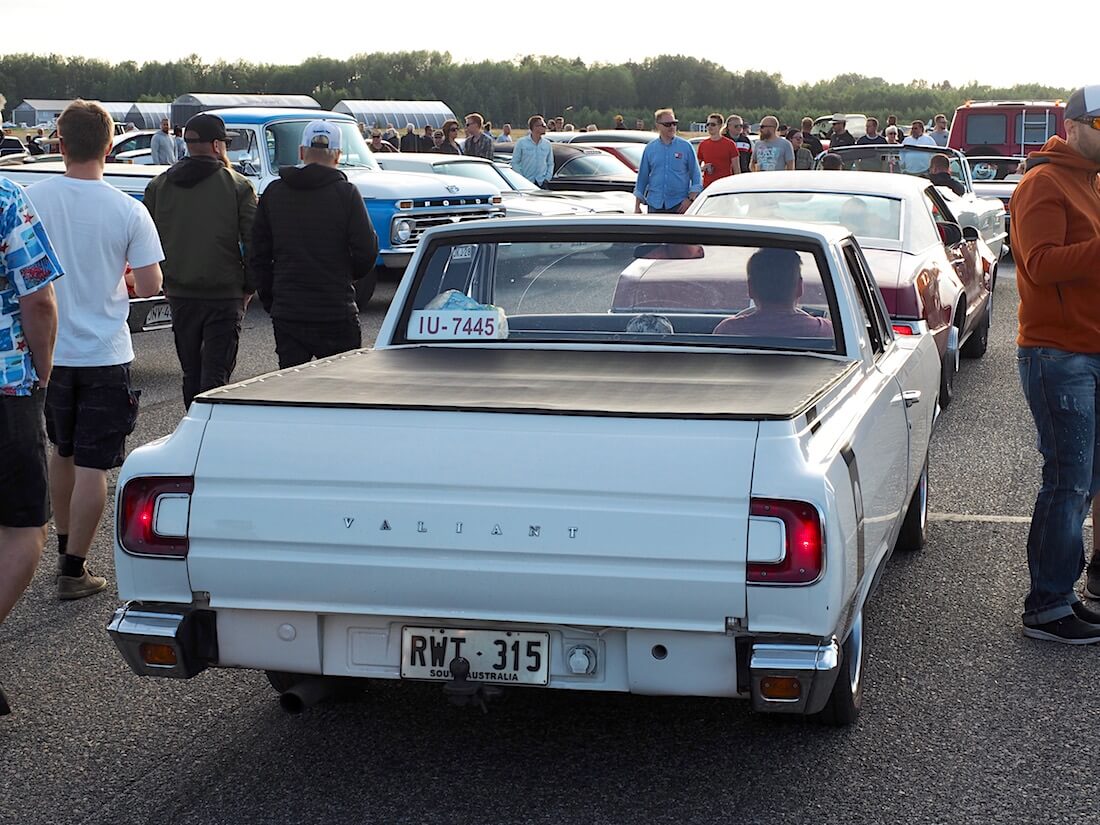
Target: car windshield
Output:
[(484, 172), (593, 166), (865, 216), (516, 180), (633, 151), (896, 158), (570, 287), (284, 137), (990, 169)]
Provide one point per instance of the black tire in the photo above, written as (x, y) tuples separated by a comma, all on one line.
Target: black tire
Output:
[(281, 681), (978, 342), (911, 537), (948, 369), (364, 291), (846, 699)]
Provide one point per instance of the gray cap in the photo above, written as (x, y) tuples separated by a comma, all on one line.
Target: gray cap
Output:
[(1085, 102)]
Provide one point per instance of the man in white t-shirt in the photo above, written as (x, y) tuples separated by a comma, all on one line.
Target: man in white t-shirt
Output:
[(90, 406), (917, 137)]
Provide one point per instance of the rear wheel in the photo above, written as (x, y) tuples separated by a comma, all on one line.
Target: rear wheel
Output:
[(947, 372), (364, 291), (281, 681), (978, 342), (911, 537), (846, 699)]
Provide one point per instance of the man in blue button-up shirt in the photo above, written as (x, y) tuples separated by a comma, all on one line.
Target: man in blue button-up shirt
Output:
[(532, 157), (668, 174)]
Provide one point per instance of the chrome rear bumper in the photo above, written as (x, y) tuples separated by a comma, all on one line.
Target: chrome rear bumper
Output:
[(815, 666), (190, 633)]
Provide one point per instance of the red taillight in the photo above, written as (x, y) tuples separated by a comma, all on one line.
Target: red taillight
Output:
[(137, 518), (804, 557), (902, 329)]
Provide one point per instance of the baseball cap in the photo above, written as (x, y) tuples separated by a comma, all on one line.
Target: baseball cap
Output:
[(1085, 102), (321, 134), (839, 119), (204, 128)]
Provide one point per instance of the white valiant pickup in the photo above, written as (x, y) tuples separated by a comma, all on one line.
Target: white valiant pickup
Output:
[(639, 454)]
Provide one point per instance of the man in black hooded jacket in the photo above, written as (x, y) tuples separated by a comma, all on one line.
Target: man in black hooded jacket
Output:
[(203, 211), (312, 240)]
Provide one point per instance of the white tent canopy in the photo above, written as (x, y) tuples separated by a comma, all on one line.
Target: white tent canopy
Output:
[(420, 113), (118, 110), (148, 115)]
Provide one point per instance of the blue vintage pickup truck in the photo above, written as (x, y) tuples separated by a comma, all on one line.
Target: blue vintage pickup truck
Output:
[(402, 205)]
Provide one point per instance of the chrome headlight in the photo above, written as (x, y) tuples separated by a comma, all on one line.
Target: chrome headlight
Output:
[(402, 230)]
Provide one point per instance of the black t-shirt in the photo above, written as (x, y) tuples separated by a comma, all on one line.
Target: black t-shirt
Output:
[(945, 179), (744, 147), (877, 140), (843, 139), (811, 142)]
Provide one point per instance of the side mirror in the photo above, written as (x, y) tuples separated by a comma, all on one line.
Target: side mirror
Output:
[(950, 233), (970, 234), (246, 167)]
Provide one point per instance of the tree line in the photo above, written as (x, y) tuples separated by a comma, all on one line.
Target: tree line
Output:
[(504, 90)]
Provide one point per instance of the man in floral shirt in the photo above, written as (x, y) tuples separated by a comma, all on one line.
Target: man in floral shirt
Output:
[(28, 326)]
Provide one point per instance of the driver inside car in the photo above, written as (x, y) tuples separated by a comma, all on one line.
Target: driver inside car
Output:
[(775, 285)]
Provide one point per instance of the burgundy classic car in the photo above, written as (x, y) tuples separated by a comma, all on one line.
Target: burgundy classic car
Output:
[(932, 273)]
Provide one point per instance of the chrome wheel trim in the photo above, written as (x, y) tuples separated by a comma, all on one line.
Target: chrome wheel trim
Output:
[(854, 655)]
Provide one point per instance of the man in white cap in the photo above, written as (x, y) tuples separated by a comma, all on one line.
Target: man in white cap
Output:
[(312, 243), (1056, 245)]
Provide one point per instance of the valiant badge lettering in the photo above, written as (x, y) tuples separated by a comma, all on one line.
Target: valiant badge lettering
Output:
[(348, 522)]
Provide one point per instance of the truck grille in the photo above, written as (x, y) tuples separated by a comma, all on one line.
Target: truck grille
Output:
[(425, 218)]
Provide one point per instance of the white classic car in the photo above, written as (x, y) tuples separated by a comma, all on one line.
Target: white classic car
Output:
[(520, 197), (933, 273), (540, 478), (986, 214)]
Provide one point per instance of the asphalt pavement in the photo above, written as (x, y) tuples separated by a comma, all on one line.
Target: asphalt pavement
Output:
[(964, 721)]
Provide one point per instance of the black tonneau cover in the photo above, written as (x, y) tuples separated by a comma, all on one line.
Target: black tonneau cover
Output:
[(720, 385)]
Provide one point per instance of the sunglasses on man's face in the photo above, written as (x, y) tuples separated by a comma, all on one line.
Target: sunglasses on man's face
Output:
[(667, 122), (1091, 122)]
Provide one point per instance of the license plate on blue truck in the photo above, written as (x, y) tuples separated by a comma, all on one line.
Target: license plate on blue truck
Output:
[(504, 656)]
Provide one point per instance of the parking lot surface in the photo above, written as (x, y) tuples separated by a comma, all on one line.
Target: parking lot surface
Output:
[(964, 720)]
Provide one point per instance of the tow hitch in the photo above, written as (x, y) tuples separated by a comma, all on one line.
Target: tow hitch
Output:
[(461, 691)]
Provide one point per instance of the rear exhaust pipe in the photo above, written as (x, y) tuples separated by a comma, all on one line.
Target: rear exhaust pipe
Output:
[(307, 694)]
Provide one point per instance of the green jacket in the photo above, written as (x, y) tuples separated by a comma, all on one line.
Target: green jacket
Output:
[(204, 214)]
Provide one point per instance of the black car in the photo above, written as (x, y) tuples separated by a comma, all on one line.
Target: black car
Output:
[(11, 146), (581, 168)]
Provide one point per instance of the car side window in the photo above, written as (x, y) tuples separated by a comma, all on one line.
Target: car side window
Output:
[(879, 332), (941, 212)]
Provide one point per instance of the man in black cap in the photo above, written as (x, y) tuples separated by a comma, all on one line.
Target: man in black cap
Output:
[(312, 243), (204, 211)]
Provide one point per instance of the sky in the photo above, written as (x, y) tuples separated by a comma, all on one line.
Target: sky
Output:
[(803, 45)]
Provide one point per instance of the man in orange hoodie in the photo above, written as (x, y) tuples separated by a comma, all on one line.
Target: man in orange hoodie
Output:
[(1056, 244)]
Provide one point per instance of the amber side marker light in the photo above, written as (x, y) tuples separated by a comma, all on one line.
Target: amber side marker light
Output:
[(158, 655), (781, 688)]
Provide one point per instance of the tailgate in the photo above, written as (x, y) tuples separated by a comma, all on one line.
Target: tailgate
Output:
[(626, 522)]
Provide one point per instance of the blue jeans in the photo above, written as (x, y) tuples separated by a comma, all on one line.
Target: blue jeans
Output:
[(1063, 391)]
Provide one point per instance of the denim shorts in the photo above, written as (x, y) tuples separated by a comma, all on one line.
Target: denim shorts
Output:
[(89, 413)]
